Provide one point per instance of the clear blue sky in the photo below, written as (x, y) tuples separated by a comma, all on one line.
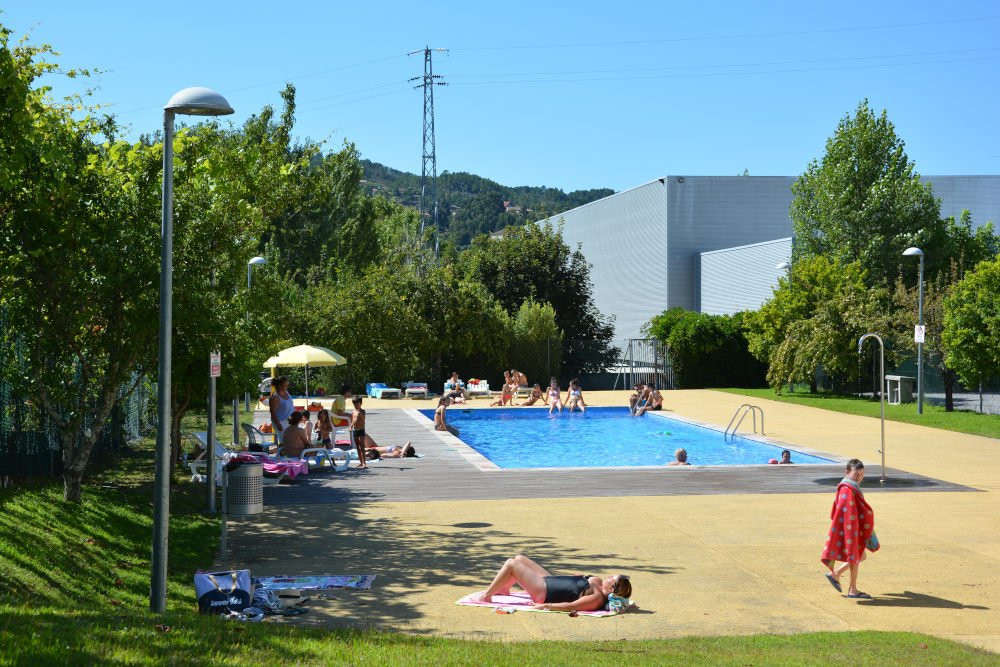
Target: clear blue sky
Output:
[(568, 95)]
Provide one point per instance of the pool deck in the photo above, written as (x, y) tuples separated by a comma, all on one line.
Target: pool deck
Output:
[(711, 551)]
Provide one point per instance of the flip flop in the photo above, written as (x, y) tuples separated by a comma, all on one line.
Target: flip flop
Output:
[(834, 582), (858, 596)]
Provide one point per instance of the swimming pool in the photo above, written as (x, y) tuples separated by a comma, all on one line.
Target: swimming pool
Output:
[(602, 437)]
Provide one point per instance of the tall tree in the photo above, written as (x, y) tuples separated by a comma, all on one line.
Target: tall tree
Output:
[(863, 201), (79, 249), (971, 334), (533, 262)]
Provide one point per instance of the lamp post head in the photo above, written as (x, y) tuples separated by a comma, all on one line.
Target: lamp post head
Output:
[(256, 261), (913, 252), (198, 101), (784, 266)]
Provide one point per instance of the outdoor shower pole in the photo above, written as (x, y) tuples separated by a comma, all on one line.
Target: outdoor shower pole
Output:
[(881, 393)]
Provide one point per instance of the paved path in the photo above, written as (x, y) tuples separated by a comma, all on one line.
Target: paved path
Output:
[(709, 554)]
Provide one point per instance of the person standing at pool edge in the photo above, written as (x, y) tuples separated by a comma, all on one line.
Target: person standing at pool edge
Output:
[(852, 529), (281, 406)]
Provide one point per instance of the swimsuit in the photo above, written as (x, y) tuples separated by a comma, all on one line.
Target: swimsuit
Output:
[(554, 394), (565, 588)]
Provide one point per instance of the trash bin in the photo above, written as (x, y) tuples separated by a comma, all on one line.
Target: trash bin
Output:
[(245, 492)]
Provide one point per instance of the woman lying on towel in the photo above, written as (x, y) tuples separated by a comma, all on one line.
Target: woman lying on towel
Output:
[(391, 452), (557, 593)]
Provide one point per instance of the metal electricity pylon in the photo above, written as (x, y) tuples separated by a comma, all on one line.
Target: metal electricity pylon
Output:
[(427, 82)]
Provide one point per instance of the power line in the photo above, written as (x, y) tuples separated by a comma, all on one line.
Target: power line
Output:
[(672, 40)]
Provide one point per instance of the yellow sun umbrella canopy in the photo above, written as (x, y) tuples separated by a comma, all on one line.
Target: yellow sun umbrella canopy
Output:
[(305, 355)]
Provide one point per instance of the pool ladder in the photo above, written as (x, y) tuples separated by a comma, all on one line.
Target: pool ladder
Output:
[(745, 408)]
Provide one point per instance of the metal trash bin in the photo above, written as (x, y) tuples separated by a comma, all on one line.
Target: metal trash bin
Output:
[(245, 490)]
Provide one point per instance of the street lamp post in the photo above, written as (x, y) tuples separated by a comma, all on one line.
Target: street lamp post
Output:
[(194, 102), (910, 252), (255, 261)]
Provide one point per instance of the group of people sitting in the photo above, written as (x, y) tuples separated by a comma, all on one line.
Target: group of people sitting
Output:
[(552, 397), (646, 397), (294, 431)]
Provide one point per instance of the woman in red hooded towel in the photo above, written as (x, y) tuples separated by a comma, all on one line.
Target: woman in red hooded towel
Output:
[(852, 529)]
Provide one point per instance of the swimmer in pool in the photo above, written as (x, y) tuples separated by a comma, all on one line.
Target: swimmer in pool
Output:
[(556, 593)]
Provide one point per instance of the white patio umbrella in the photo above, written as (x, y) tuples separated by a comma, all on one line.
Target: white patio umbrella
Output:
[(305, 355)]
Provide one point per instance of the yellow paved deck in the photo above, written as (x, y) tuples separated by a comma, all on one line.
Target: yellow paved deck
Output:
[(701, 565)]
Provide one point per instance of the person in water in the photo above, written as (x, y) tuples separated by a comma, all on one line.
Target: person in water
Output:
[(557, 593)]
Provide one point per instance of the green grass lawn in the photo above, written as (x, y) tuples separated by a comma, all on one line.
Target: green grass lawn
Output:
[(74, 586), (934, 415)]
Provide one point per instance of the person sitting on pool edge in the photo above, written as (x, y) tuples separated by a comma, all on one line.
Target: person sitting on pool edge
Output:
[(680, 458), (535, 396), (556, 593)]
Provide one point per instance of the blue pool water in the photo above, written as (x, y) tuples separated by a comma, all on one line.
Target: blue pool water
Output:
[(602, 437)]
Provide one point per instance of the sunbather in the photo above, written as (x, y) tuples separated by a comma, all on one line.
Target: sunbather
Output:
[(557, 593), (295, 437), (651, 399), (392, 452), (506, 392), (535, 396)]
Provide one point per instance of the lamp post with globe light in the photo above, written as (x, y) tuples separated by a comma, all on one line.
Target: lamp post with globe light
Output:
[(192, 102), (917, 252)]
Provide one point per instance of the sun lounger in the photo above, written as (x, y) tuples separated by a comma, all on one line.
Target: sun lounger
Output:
[(199, 467), (480, 388), (523, 390), (258, 441), (415, 389), (380, 390)]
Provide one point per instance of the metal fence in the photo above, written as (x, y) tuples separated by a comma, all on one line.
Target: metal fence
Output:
[(29, 442), (644, 360)]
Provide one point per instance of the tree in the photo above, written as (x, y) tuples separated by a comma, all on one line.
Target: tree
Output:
[(80, 253), (863, 202), (707, 350), (820, 327), (971, 334), (961, 247), (536, 341), (229, 184), (533, 262)]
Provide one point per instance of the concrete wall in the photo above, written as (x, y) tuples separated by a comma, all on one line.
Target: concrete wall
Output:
[(741, 278)]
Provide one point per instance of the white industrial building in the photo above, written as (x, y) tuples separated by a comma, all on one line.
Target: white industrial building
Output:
[(709, 243)]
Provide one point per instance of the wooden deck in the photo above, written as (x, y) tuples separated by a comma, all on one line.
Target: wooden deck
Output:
[(448, 470)]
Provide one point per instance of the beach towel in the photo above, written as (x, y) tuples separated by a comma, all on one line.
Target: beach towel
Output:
[(521, 601), (852, 523), (320, 582)]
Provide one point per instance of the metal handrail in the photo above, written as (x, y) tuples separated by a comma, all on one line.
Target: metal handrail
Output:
[(753, 410)]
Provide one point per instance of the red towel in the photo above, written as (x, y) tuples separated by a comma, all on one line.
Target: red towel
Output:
[(852, 523)]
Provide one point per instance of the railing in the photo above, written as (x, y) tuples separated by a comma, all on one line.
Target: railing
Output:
[(746, 408)]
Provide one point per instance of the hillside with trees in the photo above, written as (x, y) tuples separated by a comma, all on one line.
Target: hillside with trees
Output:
[(470, 205)]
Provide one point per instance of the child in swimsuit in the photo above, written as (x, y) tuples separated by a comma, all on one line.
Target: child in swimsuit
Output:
[(506, 392), (536, 395), (555, 400), (574, 396), (324, 427), (358, 435)]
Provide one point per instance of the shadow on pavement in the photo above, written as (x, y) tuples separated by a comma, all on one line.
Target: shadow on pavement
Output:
[(916, 600)]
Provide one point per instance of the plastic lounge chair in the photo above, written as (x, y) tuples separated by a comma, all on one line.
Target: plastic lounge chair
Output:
[(414, 389), (481, 388), (320, 457), (381, 390), (523, 390), (257, 440)]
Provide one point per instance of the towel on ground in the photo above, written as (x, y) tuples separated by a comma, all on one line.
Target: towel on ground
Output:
[(520, 601), (321, 582)]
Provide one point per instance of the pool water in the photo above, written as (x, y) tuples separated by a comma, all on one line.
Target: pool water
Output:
[(601, 437)]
